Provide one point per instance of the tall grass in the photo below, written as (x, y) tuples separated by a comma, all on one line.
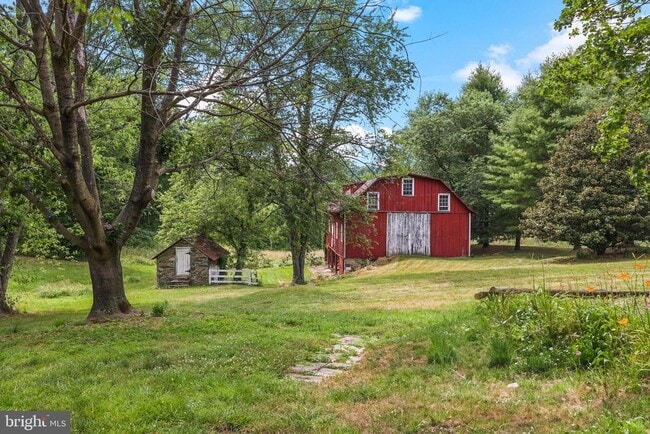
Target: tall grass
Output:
[(538, 332)]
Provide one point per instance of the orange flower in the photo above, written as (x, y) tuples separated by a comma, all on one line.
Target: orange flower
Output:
[(623, 321), (624, 276), (647, 282), (639, 266), (590, 289)]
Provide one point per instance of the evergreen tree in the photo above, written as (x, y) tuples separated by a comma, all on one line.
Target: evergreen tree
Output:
[(523, 146), (587, 201), (451, 139)]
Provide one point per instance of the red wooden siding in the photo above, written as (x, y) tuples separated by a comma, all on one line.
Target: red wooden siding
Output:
[(424, 200), (367, 240), (449, 235)]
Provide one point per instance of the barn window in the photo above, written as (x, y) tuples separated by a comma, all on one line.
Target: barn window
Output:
[(408, 185), (373, 201), (443, 202)]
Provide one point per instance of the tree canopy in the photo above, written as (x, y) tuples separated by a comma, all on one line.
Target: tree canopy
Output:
[(614, 58), (587, 201), (173, 58)]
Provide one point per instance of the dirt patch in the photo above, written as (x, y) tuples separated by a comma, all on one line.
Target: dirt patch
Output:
[(322, 272)]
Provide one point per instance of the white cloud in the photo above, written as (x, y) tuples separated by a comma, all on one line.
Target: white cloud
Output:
[(512, 71), (407, 15), (387, 131), (560, 42), (497, 61), (499, 51), (357, 131)]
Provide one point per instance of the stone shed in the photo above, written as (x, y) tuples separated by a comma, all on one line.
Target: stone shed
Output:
[(188, 261)]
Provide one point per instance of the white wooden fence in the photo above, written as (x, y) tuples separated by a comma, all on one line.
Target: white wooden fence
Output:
[(222, 276)]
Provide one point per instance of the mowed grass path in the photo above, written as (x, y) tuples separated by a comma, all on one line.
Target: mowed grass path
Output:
[(216, 361)]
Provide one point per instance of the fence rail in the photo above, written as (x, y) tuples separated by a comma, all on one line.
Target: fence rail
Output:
[(221, 276)]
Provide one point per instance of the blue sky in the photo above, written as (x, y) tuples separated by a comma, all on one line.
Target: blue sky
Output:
[(511, 36)]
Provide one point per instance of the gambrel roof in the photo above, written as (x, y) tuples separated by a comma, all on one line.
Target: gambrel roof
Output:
[(360, 188)]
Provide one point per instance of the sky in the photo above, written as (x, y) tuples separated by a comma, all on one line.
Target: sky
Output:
[(449, 38)]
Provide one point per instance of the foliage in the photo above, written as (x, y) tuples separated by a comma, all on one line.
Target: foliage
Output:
[(64, 65), (159, 309), (524, 144), (299, 156), (543, 333), (40, 240), (587, 201), (230, 209), (451, 140), (615, 58)]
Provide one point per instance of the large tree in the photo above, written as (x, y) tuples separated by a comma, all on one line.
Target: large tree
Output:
[(452, 138), (173, 56), (524, 144), (587, 201), (302, 148), (11, 224), (614, 57), (229, 208)]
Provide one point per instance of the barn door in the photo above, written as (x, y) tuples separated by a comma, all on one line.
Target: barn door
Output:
[(408, 233), (182, 261)]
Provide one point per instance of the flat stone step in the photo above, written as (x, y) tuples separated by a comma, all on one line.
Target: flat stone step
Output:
[(340, 357)]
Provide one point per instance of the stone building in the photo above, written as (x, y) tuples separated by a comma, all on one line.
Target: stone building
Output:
[(188, 261)]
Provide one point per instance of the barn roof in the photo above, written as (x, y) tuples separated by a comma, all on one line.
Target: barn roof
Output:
[(359, 188), (203, 244)]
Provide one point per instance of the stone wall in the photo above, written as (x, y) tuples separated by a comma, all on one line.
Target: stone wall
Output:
[(166, 266)]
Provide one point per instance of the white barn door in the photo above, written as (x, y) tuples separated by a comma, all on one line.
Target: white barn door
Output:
[(182, 261), (408, 233)]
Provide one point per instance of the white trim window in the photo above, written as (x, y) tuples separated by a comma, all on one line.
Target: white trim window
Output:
[(373, 200), (444, 202), (408, 187)]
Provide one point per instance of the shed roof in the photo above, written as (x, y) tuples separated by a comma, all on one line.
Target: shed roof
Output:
[(203, 244)]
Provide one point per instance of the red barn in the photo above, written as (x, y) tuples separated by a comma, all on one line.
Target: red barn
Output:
[(410, 215)]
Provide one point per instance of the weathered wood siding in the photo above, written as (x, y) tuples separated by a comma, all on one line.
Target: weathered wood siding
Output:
[(448, 233), (408, 233), (335, 242)]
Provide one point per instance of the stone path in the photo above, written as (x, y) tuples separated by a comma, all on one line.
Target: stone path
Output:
[(342, 356)]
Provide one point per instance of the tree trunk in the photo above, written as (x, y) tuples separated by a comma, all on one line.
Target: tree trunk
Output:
[(298, 253), (518, 242), (298, 261), (6, 265), (109, 298)]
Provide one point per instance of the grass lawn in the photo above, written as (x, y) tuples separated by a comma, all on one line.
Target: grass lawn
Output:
[(216, 361)]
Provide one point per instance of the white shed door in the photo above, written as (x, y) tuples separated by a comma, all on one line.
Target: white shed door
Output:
[(182, 261), (408, 233)]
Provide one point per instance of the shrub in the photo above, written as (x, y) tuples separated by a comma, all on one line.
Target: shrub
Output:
[(538, 332), (159, 309)]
